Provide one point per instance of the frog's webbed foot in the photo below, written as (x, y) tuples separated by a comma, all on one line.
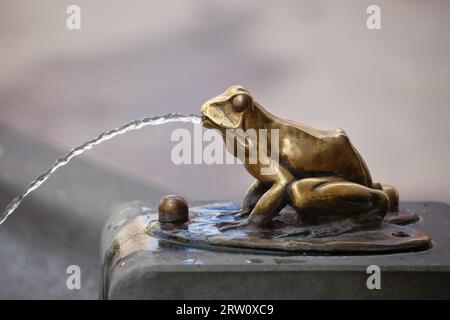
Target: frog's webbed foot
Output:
[(225, 226), (326, 230), (244, 212), (238, 214)]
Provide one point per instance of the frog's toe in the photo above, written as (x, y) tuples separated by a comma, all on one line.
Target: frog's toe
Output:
[(242, 213), (225, 226), (238, 214), (226, 214)]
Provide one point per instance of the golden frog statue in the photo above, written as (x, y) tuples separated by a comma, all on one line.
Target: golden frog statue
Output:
[(318, 173)]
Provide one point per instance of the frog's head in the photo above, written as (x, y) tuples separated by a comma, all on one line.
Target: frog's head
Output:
[(228, 110)]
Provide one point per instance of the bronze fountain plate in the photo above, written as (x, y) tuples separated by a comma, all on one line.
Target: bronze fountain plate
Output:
[(287, 236)]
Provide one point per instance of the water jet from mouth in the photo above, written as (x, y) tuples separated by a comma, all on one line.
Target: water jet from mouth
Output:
[(105, 136)]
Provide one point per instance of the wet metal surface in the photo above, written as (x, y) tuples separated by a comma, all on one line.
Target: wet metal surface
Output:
[(140, 266), (285, 235)]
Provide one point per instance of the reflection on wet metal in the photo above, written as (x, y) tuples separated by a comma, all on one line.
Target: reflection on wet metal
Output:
[(192, 261), (255, 260), (286, 261), (203, 231)]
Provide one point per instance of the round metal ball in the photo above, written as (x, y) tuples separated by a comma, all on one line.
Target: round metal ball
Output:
[(173, 209)]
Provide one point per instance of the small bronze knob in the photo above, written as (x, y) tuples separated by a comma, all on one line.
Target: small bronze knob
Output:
[(173, 209)]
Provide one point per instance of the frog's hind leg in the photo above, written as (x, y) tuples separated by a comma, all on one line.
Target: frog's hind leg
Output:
[(331, 198), (392, 194)]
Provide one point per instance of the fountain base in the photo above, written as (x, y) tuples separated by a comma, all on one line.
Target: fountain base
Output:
[(141, 266), (287, 235)]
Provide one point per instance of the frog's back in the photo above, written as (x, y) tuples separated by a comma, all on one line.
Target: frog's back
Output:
[(319, 152), (314, 132)]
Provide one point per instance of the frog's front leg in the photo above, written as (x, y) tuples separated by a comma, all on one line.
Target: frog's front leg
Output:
[(265, 209), (271, 202), (256, 190), (253, 194)]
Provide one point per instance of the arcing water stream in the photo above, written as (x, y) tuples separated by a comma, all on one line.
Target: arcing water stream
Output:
[(107, 135)]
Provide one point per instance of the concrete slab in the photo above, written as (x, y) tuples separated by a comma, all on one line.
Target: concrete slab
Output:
[(141, 267)]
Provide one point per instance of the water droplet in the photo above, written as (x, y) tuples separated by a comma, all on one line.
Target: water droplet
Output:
[(287, 261), (192, 261), (256, 260)]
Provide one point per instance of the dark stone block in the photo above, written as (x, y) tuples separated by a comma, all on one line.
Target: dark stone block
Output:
[(139, 266)]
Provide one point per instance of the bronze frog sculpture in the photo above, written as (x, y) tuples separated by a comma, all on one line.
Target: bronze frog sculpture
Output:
[(319, 173)]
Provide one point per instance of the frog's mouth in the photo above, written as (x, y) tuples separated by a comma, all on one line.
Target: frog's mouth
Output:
[(208, 123)]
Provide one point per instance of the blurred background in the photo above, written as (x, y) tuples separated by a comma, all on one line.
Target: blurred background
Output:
[(311, 61)]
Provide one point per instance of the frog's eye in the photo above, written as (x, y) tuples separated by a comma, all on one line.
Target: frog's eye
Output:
[(241, 102)]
